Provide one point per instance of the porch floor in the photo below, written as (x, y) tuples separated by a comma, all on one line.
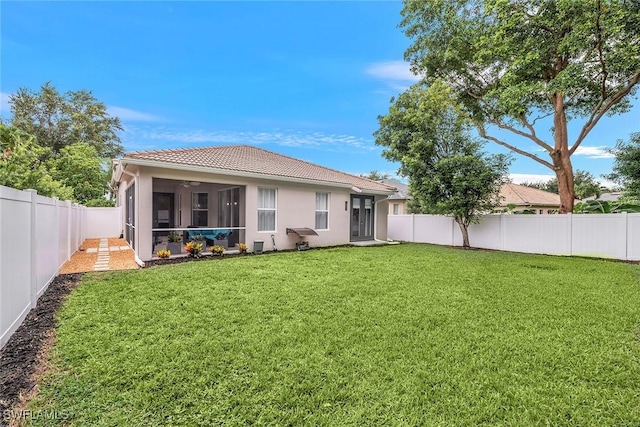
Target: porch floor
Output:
[(101, 255)]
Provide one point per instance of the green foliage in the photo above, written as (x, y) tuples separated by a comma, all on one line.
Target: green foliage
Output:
[(441, 337), (448, 174), (585, 185), (626, 169), (58, 120), (21, 167), (514, 63), (79, 167), (604, 206), (374, 175)]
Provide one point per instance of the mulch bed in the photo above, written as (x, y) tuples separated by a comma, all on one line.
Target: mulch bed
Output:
[(19, 357)]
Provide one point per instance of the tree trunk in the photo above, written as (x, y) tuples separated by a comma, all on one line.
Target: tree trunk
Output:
[(561, 156), (564, 174), (465, 233)]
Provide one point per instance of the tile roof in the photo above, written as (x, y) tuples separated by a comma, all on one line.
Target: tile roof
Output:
[(403, 189), (248, 159), (521, 195)]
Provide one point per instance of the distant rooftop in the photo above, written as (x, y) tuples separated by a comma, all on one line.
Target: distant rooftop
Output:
[(403, 189), (521, 195)]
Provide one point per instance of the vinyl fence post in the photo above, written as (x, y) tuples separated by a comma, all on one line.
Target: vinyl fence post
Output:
[(626, 235), (413, 228), (502, 232), (69, 207), (570, 232), (33, 248)]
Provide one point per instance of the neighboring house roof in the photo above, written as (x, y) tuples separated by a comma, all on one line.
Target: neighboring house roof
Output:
[(403, 189), (613, 196), (521, 195), (245, 160)]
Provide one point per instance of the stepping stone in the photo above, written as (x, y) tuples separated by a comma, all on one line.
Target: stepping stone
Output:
[(114, 248), (92, 250)]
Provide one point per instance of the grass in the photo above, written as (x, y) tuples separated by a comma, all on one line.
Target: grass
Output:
[(397, 335)]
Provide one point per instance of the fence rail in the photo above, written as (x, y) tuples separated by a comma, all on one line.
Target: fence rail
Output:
[(37, 236), (605, 236)]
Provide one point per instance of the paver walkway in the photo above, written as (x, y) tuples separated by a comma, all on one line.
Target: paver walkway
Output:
[(102, 264), (101, 255)]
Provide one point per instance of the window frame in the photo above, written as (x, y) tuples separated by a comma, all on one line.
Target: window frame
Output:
[(274, 210), (328, 207), (396, 209)]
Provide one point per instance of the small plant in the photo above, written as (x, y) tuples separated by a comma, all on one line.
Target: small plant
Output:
[(217, 250), (174, 237), (198, 236), (242, 247), (163, 253), (194, 249)]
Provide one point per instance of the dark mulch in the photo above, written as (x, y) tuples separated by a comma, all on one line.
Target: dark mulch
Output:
[(18, 358)]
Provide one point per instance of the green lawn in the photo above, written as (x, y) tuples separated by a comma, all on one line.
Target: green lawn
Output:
[(395, 335)]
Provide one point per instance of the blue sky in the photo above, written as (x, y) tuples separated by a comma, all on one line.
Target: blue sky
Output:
[(305, 79)]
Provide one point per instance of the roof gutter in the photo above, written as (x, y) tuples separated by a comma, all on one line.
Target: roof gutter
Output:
[(236, 173)]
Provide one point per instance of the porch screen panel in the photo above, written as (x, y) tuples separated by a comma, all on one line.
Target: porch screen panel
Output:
[(130, 209), (266, 209), (200, 209)]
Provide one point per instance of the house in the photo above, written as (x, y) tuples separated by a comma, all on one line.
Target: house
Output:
[(398, 201), (612, 196), (243, 194), (528, 198)]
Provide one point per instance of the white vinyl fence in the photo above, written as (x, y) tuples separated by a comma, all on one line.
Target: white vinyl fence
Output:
[(37, 236), (606, 236)]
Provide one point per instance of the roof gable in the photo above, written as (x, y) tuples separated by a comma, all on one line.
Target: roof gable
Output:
[(253, 160)]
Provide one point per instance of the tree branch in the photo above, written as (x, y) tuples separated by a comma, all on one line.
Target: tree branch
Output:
[(601, 109), (532, 136), (483, 134)]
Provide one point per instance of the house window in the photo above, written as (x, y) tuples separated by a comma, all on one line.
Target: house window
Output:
[(322, 211), (266, 209), (396, 208), (200, 209)]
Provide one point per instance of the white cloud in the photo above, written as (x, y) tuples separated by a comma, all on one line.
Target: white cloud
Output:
[(288, 138), (392, 71), (5, 109), (519, 178), (594, 152), (128, 115)]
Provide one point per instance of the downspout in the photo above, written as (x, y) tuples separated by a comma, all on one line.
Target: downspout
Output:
[(135, 182)]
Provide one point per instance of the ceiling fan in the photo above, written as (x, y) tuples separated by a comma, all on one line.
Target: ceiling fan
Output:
[(187, 184)]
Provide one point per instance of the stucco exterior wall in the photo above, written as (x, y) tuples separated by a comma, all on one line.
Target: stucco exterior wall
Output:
[(295, 207), (402, 206)]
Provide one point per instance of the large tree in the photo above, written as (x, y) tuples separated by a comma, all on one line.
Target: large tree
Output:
[(21, 167), (58, 120), (448, 174), (79, 167), (626, 169), (585, 185), (515, 63)]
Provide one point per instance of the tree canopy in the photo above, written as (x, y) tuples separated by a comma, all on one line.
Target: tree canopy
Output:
[(626, 169), (21, 167), (515, 64), (585, 185), (374, 175), (58, 120), (448, 174), (79, 168)]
